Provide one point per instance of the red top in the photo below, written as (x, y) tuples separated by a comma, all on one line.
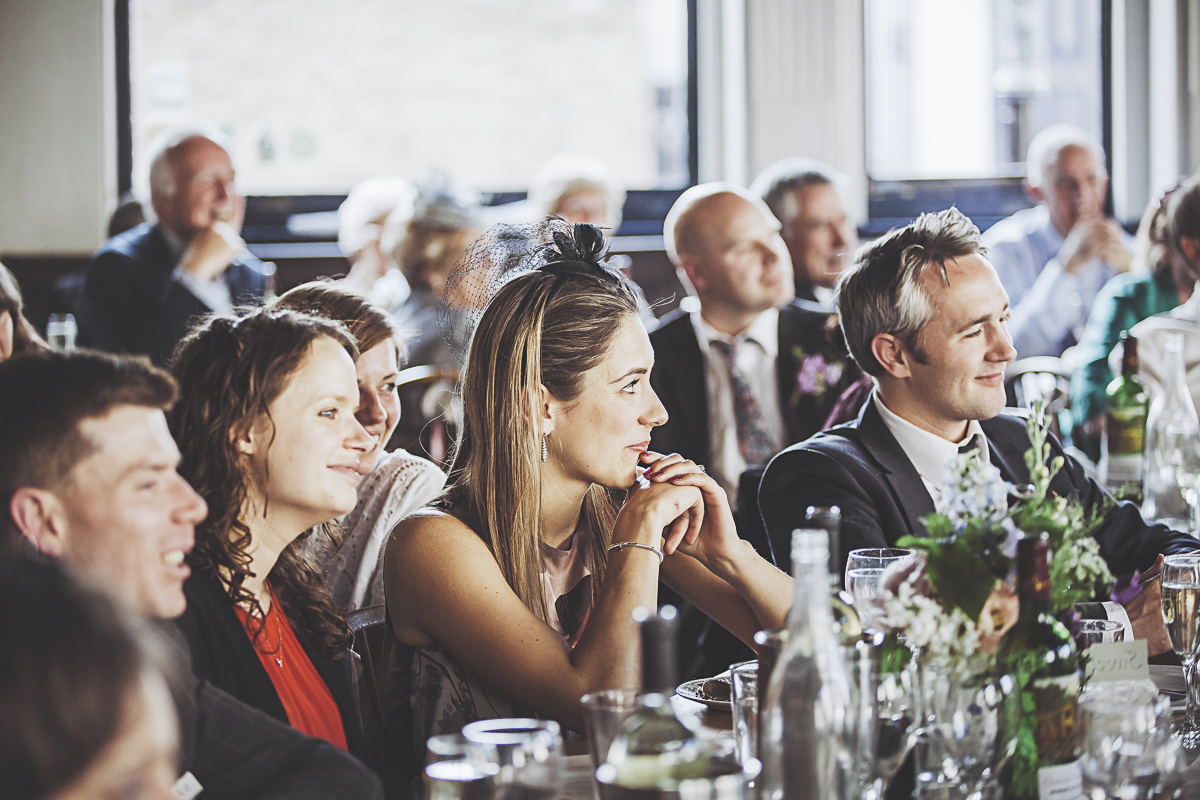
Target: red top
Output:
[(309, 705)]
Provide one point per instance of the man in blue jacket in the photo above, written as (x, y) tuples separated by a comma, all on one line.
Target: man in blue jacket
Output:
[(145, 288)]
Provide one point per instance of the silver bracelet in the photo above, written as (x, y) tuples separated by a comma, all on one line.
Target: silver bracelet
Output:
[(639, 545)]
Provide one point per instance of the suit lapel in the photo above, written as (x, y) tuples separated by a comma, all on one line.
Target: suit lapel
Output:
[(907, 488), (1007, 455), (693, 391), (785, 372)]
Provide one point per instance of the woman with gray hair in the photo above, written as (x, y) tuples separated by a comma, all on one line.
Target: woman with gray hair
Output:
[(445, 219)]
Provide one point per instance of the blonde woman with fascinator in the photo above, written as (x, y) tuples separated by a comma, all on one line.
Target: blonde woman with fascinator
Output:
[(515, 592)]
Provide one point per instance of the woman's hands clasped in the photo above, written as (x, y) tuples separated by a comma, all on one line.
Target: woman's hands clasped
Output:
[(690, 508)]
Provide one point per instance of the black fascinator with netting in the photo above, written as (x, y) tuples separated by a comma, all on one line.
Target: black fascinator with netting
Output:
[(507, 252)]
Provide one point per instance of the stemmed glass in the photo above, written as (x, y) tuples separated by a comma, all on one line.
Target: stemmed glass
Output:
[(1180, 591), (888, 717), (864, 579), (532, 765)]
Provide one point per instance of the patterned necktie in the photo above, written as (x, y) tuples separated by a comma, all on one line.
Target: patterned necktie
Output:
[(754, 438)]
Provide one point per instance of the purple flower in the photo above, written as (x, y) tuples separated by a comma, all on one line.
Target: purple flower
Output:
[(1073, 620), (1127, 587), (811, 375)]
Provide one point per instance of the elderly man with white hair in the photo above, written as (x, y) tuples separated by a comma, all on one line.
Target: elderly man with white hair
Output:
[(1054, 258), (145, 287)]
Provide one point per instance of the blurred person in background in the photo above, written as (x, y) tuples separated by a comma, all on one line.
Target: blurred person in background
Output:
[(1054, 258), (17, 335), (1183, 239), (445, 219), (110, 506), (578, 189), (266, 429), (146, 287), (128, 214), (86, 711), (394, 484), (1163, 276), (361, 222), (808, 199)]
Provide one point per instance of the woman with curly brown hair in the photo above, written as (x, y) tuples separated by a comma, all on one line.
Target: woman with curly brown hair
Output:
[(268, 437)]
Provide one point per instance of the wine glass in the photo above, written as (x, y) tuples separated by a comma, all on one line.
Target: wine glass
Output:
[(888, 716), (1180, 592), (864, 579), (530, 755)]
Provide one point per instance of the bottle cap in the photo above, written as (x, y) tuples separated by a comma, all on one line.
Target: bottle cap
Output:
[(810, 546), (659, 634)]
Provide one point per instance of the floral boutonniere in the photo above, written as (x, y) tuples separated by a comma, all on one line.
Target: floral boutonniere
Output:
[(816, 375)]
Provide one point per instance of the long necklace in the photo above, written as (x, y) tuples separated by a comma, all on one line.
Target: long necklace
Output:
[(278, 651)]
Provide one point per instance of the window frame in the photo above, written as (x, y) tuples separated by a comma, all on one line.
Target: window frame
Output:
[(896, 202), (266, 229)]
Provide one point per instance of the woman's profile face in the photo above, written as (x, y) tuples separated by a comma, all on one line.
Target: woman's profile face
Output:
[(138, 763), (305, 459), (6, 335), (600, 437)]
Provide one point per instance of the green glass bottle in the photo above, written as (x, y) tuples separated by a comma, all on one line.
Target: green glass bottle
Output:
[(1124, 438), (1040, 655)]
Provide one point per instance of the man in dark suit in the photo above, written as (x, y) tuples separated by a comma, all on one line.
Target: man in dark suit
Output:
[(926, 316), (808, 199), (743, 372), (145, 288), (87, 478), (789, 354)]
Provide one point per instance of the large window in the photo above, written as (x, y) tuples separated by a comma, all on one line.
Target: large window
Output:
[(957, 88), (318, 95)]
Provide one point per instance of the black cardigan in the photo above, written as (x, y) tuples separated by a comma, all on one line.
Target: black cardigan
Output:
[(223, 655)]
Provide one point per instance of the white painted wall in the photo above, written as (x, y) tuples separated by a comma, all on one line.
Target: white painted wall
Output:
[(58, 153)]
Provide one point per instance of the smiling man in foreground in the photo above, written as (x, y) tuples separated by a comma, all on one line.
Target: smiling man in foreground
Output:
[(924, 313), (88, 479)]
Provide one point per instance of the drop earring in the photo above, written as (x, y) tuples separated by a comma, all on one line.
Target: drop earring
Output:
[(544, 453)]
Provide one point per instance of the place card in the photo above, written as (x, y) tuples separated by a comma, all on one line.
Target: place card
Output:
[(1117, 661)]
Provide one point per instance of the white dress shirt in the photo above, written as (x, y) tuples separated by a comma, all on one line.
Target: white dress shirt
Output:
[(1050, 306), (757, 349), (928, 452)]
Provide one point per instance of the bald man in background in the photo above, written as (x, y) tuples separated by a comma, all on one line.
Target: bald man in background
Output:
[(144, 288), (749, 371), (743, 373)]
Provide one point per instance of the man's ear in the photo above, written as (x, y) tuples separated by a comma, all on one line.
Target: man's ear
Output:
[(891, 353), (1034, 193), (690, 266), (41, 519), (1190, 245)]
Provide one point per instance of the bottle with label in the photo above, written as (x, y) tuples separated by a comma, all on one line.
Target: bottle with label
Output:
[(808, 719), (1124, 441), (655, 750), (1040, 655), (1172, 461), (845, 618)]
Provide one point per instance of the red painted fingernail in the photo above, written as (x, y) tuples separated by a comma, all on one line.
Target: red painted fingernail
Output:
[(676, 479), (648, 474)]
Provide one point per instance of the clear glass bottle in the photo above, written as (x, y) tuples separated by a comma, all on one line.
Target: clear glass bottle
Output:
[(654, 750), (1172, 460), (807, 742), (1123, 444), (845, 618)]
